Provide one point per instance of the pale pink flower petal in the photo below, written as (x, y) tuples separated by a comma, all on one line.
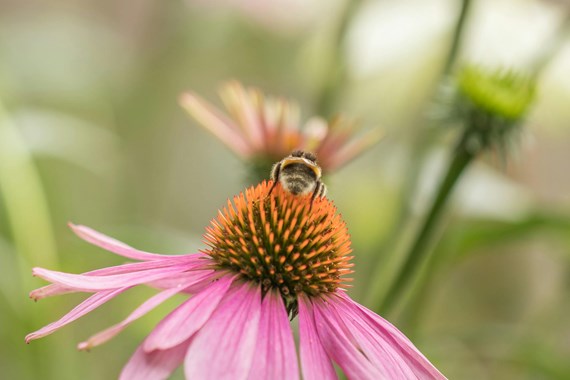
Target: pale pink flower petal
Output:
[(57, 289), (204, 276), (156, 365), (86, 283), (374, 324), (188, 318), (217, 123), (275, 355), (147, 306), (115, 246), (284, 135), (315, 362), (77, 312), (49, 291), (379, 351), (347, 151), (224, 347), (239, 102), (338, 343), (171, 281), (111, 332)]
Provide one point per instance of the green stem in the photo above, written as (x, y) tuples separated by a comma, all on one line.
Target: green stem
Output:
[(24, 198), (457, 36), (421, 145), (335, 71), (417, 253), (29, 220)]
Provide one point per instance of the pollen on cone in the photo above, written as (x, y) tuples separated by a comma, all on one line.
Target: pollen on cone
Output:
[(291, 243)]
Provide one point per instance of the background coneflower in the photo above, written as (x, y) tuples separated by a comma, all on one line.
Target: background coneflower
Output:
[(263, 129)]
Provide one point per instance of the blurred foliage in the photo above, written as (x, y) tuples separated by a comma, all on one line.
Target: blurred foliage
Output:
[(88, 94)]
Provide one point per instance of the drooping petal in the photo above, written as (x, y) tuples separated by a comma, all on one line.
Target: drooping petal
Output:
[(240, 103), (57, 289), (87, 283), (187, 318), (339, 345), (147, 306), (282, 118), (275, 356), (156, 365), (349, 150), (49, 291), (380, 330), (224, 347), (194, 270), (115, 246), (204, 276), (315, 362), (215, 122), (77, 312), (379, 352)]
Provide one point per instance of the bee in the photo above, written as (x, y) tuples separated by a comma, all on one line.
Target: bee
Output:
[(299, 174)]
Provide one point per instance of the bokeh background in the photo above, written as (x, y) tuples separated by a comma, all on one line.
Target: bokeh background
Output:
[(91, 132)]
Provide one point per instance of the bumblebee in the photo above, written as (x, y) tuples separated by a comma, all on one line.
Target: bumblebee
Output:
[(299, 174)]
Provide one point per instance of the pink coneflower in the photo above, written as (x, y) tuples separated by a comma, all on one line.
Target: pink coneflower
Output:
[(271, 257), (265, 129)]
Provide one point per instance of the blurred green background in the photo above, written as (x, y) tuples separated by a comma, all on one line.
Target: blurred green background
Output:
[(91, 132)]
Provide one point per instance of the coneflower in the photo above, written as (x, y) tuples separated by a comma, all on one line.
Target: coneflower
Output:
[(262, 129), (271, 256)]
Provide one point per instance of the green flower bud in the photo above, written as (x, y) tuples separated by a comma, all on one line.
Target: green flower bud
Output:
[(489, 104), (499, 93)]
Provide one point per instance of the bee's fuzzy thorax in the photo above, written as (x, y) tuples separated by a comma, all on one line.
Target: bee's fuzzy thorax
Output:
[(282, 241), (298, 179)]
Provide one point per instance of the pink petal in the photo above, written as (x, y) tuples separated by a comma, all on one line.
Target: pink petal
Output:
[(115, 246), (282, 118), (205, 276), (79, 311), (147, 306), (240, 103), (215, 122), (56, 289), (383, 330), (86, 283), (315, 362), (338, 343), (379, 352), (275, 356), (172, 281), (49, 291), (348, 151), (156, 365), (224, 347), (188, 318)]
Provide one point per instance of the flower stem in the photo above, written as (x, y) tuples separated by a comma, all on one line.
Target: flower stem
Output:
[(421, 145), (335, 71), (417, 253), (457, 37), (24, 198)]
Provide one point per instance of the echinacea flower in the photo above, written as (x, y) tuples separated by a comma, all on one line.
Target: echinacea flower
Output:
[(263, 129), (271, 256)]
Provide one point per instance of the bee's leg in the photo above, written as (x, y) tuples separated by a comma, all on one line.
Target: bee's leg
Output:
[(323, 190), (272, 187), (316, 192), (275, 171)]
